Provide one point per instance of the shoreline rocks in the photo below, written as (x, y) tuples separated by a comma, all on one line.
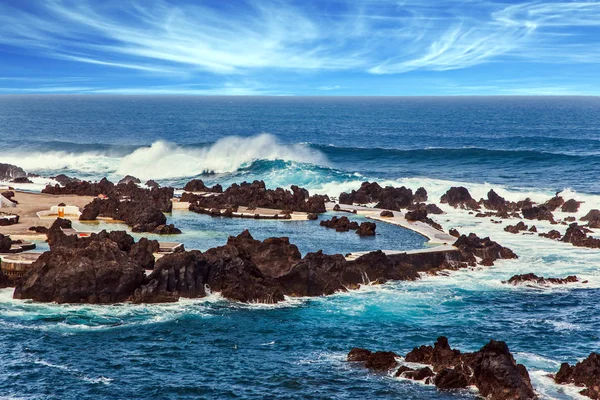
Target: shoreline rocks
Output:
[(254, 195), (492, 369), (585, 373), (9, 172), (389, 198), (531, 278)]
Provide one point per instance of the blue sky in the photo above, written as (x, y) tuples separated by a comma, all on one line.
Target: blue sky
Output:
[(325, 47)]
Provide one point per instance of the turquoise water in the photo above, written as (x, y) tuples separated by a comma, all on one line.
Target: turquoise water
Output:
[(213, 348)]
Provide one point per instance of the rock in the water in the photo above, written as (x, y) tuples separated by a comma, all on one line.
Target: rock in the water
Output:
[(554, 203), (256, 195), (497, 375), (376, 361), (366, 229), (571, 206), (540, 213), (577, 235), (585, 373), (516, 228), (142, 209), (390, 198), (5, 243), (593, 219), (340, 224), (152, 184), (492, 369), (129, 178), (459, 197), (9, 172), (486, 249), (21, 179), (540, 280), (98, 273), (197, 185), (64, 180), (553, 234)]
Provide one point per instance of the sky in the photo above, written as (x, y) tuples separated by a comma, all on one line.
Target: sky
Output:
[(310, 47)]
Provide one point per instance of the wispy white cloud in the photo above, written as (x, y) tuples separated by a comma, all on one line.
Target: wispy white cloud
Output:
[(329, 87), (242, 38)]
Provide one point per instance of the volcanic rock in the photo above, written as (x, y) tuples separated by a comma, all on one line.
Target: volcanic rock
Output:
[(540, 213), (516, 228), (553, 234), (5, 243), (585, 373), (571, 206), (593, 219), (129, 178), (197, 185), (9, 172), (386, 214), (540, 280), (341, 224), (98, 273), (376, 361), (366, 229), (459, 197)]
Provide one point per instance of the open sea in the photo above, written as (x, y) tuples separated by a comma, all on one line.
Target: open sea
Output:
[(216, 349)]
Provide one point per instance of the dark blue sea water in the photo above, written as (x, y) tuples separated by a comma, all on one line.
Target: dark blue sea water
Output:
[(213, 348)]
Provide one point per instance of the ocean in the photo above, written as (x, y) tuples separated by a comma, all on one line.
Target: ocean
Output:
[(213, 348)]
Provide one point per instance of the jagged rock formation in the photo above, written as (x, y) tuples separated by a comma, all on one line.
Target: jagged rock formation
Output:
[(492, 369)]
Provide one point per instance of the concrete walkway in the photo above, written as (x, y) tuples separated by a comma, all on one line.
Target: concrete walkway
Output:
[(434, 236)]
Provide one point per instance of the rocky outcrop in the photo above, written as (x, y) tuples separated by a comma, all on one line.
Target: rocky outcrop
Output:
[(554, 203), (197, 185), (592, 218), (255, 194), (486, 249), (129, 178), (389, 198), (103, 268), (577, 236), (571, 206), (528, 279), (81, 188), (22, 179), (492, 369), (9, 172), (421, 215), (376, 361), (64, 180), (265, 271), (540, 213), (553, 234), (585, 373), (5, 243), (386, 214), (152, 184), (366, 229), (142, 209), (341, 224), (520, 226), (459, 197)]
